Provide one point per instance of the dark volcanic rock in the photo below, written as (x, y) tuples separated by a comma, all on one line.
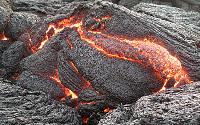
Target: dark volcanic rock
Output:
[(4, 18), (22, 106), (131, 3), (90, 102), (117, 116), (6, 4), (12, 57), (14, 54), (43, 62), (193, 5), (40, 7), (188, 5), (68, 75), (4, 44), (20, 23), (175, 15), (174, 106), (89, 95), (36, 82), (114, 1), (179, 38)]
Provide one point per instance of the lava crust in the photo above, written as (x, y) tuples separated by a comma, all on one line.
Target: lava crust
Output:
[(87, 50)]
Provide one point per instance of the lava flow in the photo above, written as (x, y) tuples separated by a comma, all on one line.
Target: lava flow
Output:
[(143, 51)]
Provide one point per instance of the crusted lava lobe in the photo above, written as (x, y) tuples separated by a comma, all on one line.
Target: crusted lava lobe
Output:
[(92, 47)]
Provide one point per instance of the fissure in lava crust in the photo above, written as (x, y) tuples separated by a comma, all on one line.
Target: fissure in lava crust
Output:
[(67, 91), (3, 37), (143, 51)]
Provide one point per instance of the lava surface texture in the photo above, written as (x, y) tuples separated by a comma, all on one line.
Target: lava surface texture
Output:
[(98, 47)]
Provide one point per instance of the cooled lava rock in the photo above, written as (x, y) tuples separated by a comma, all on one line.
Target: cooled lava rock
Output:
[(4, 44), (43, 62), (189, 5), (13, 55), (174, 106), (39, 7), (22, 106), (4, 18), (20, 22), (6, 4), (193, 5), (175, 15), (35, 82), (118, 116), (131, 3)]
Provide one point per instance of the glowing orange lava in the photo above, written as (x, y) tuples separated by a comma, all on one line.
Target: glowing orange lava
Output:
[(143, 51), (3, 37), (106, 110), (67, 91), (69, 43), (58, 27)]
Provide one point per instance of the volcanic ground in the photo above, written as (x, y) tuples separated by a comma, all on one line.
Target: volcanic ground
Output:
[(99, 62)]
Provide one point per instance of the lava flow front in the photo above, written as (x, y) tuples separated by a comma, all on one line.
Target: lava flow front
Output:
[(143, 51)]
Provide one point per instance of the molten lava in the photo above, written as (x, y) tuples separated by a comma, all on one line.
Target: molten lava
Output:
[(3, 37), (106, 110), (143, 51)]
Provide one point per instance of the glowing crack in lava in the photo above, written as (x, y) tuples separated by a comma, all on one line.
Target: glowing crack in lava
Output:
[(86, 83), (3, 37), (67, 91), (142, 51)]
